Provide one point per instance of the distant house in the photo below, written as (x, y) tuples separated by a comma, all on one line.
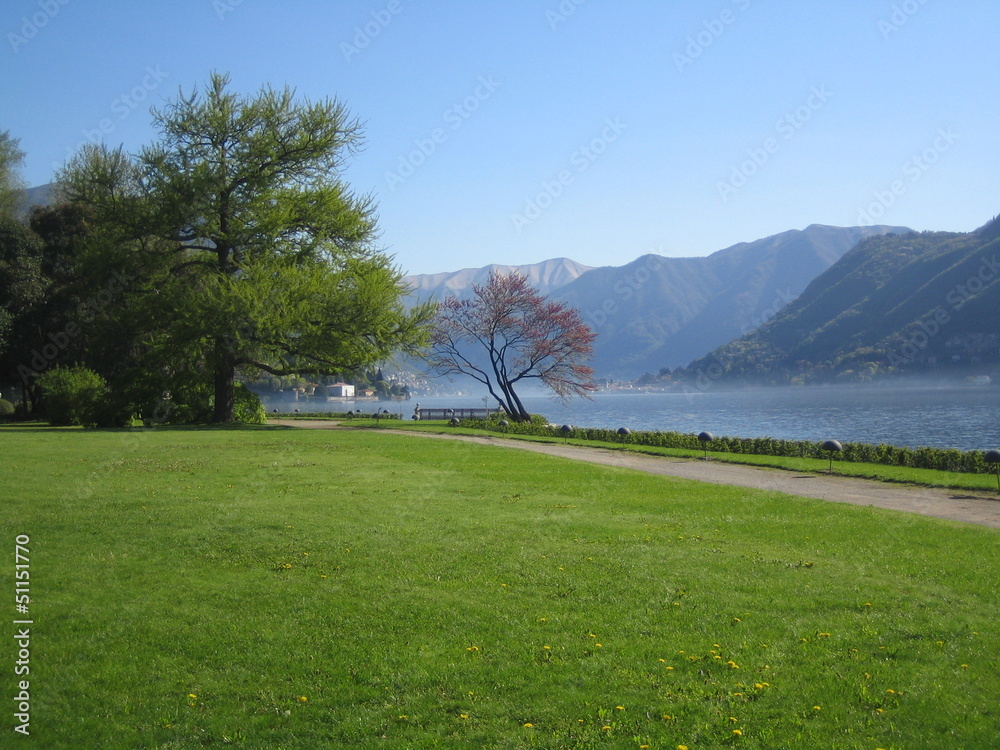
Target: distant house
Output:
[(340, 390)]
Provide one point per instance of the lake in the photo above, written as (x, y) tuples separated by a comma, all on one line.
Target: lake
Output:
[(967, 418)]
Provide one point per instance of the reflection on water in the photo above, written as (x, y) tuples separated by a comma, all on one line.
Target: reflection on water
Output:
[(956, 417)]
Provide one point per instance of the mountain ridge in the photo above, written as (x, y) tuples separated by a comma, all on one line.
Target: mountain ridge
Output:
[(660, 311), (905, 304)]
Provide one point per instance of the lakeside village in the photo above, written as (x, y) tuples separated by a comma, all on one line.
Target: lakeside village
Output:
[(299, 393)]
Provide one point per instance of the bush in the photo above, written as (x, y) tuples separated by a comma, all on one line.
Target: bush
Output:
[(247, 407), (6, 408), (72, 396)]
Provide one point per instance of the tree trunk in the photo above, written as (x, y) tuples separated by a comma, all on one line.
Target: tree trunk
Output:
[(225, 383)]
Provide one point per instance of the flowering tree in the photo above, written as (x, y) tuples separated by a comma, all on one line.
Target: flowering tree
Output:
[(507, 334)]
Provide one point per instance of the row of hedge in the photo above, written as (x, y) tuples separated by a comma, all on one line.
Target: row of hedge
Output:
[(940, 459)]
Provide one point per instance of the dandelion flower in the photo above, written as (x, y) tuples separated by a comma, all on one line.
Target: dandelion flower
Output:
[(817, 708), (528, 725), (605, 728), (463, 716), (738, 732), (192, 696), (620, 708), (302, 699)]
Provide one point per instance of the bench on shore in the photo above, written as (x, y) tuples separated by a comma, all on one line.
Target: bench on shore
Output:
[(470, 413)]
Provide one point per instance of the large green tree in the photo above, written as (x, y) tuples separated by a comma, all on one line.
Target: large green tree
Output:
[(257, 257)]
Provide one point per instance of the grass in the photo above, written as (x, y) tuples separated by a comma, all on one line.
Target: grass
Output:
[(880, 472), (276, 588)]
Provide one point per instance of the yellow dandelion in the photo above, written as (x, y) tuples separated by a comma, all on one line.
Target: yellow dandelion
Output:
[(738, 732), (598, 645), (547, 648), (662, 661), (817, 708), (463, 716), (733, 719), (605, 728), (528, 725), (670, 669), (666, 717), (732, 664), (824, 635), (302, 699), (620, 708), (965, 666), (682, 747), (192, 696)]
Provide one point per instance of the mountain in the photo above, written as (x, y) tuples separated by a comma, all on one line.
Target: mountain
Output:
[(658, 312), (546, 277), (910, 303), (40, 195)]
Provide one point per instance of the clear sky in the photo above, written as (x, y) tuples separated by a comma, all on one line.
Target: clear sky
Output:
[(515, 131)]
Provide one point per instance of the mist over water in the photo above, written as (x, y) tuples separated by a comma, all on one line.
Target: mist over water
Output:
[(967, 418)]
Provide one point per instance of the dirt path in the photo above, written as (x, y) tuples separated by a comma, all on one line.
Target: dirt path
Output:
[(954, 505)]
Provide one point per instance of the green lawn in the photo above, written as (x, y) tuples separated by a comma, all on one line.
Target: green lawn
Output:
[(281, 588), (881, 472)]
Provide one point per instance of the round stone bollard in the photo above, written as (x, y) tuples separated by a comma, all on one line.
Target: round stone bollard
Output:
[(566, 430), (831, 447), (993, 457), (504, 424), (454, 421), (705, 438), (623, 433)]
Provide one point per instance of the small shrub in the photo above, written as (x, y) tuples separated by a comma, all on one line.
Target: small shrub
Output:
[(72, 396), (247, 407), (6, 408)]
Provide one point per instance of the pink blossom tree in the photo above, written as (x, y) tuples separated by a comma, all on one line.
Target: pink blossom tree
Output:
[(508, 334)]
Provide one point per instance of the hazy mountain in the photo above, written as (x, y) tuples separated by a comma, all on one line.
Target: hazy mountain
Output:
[(912, 303), (658, 312), (40, 195), (546, 277)]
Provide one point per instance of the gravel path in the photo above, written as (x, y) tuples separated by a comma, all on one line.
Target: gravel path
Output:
[(954, 505)]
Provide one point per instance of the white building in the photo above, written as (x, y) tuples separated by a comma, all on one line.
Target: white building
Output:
[(340, 390)]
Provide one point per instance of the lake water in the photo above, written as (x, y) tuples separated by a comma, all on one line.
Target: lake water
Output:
[(967, 418)]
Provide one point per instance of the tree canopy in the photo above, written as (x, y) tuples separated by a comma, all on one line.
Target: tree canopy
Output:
[(11, 182), (508, 334), (247, 251)]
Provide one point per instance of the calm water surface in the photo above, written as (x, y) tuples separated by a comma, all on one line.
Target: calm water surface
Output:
[(966, 418)]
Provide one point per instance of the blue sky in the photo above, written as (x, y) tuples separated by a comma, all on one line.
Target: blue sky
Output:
[(517, 131)]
